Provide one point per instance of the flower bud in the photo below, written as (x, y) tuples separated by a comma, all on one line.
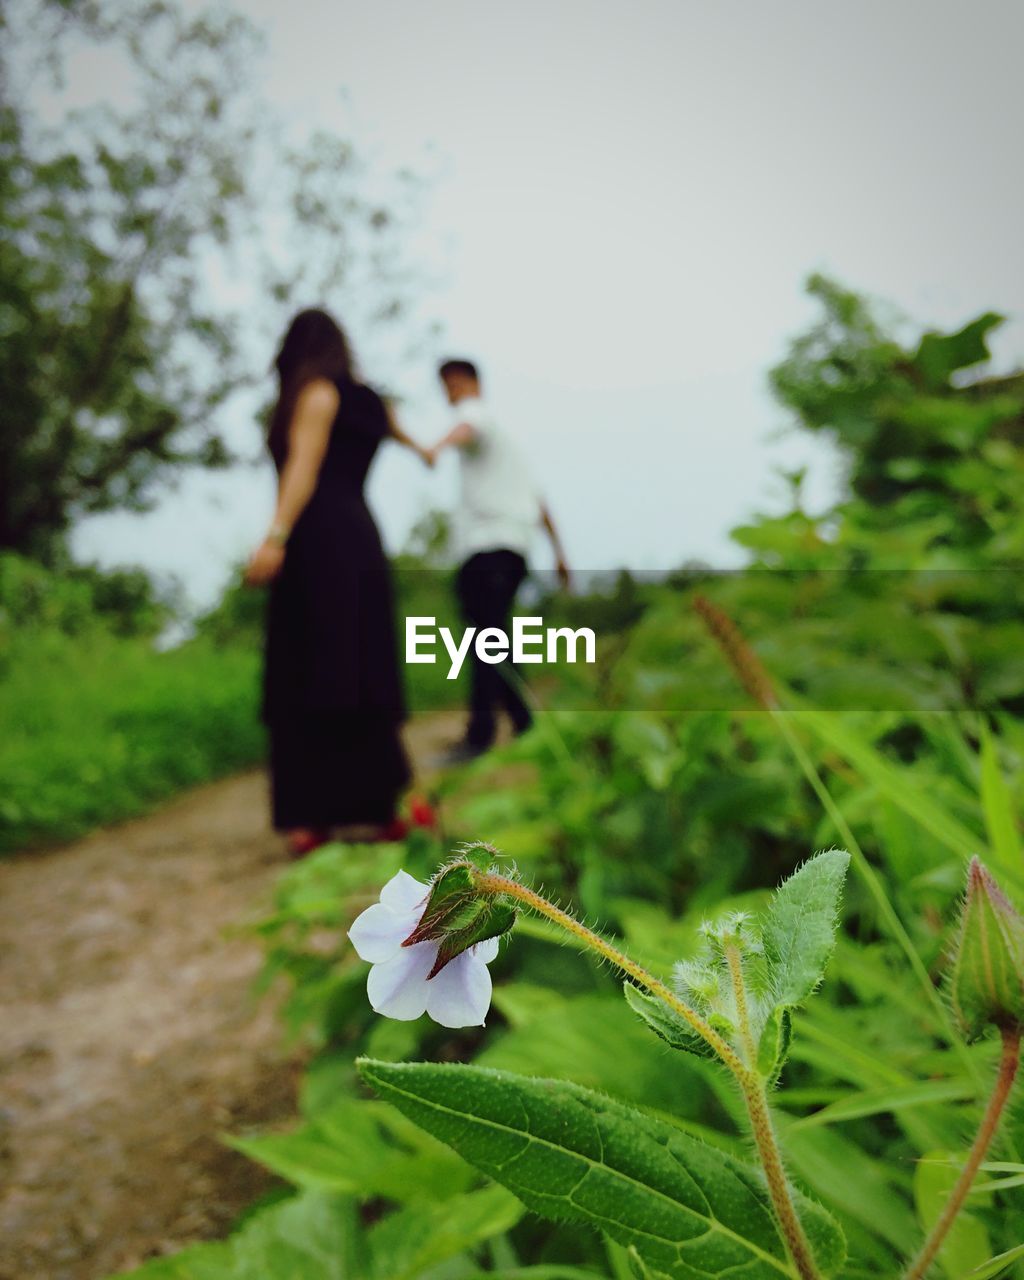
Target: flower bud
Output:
[(458, 916), (988, 962)]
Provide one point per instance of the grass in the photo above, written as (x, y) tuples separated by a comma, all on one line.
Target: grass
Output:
[(97, 728)]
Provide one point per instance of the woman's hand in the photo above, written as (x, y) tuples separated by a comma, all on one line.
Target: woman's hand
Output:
[(427, 456), (265, 564)]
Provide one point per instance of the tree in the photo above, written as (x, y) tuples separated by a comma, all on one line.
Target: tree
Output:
[(929, 443), (117, 355)]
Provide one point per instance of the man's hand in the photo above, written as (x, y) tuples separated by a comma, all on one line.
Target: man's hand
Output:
[(265, 564)]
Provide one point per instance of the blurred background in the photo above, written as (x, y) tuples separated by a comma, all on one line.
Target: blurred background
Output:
[(629, 216), (746, 283), (613, 209)]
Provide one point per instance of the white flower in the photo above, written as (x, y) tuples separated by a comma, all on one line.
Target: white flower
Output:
[(398, 987)]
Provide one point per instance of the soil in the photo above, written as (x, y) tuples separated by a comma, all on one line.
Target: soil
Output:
[(130, 1037)]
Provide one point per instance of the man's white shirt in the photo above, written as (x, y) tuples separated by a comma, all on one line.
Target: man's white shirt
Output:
[(499, 506)]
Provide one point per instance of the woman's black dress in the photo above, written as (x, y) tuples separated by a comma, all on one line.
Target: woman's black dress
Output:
[(332, 695)]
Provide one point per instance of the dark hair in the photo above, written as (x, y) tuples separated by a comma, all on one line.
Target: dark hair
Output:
[(314, 346), (466, 367)]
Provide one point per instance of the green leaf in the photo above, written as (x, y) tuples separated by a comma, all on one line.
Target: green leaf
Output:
[(862, 1189), (404, 1245), (349, 1149), (310, 1237), (627, 1264), (665, 1024), (198, 1262), (890, 1099), (773, 1047), (967, 1245), (520, 1003), (940, 355), (897, 784), (997, 1265), (560, 1044), (572, 1155), (800, 927), (997, 806), (555, 1271)]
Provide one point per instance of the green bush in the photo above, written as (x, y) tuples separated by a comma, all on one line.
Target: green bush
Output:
[(98, 725)]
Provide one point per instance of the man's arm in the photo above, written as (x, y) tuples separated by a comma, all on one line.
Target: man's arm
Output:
[(561, 564), (461, 436)]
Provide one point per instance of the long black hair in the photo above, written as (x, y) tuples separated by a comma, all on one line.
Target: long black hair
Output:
[(314, 346)]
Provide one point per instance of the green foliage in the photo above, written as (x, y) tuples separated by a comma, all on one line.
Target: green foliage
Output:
[(928, 450), (106, 224), (570, 1154), (116, 359), (99, 730), (97, 724), (967, 1246), (799, 929), (665, 1024), (78, 599), (677, 804)]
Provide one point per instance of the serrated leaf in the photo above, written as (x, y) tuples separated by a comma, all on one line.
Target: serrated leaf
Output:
[(664, 1023), (688, 1210), (800, 927)]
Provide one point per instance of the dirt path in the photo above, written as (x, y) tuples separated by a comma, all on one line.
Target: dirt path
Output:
[(129, 1037)]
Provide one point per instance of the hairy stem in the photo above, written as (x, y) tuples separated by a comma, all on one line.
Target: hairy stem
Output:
[(778, 1186), (1008, 1064), (739, 988), (761, 1126), (491, 882), (746, 1076), (756, 681)]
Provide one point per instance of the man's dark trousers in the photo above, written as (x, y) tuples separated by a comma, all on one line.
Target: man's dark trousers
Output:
[(486, 587)]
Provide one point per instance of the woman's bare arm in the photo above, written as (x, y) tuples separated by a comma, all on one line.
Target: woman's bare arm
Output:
[(403, 438), (309, 433)]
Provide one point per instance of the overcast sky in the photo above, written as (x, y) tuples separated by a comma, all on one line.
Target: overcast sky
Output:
[(630, 197)]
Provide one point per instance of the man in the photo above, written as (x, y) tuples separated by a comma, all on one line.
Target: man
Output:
[(499, 510)]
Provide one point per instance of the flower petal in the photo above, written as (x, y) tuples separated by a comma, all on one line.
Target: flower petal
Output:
[(403, 893), (486, 950), (378, 933), (398, 987), (460, 995)]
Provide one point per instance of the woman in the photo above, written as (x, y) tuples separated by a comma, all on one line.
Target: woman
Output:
[(332, 695)]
